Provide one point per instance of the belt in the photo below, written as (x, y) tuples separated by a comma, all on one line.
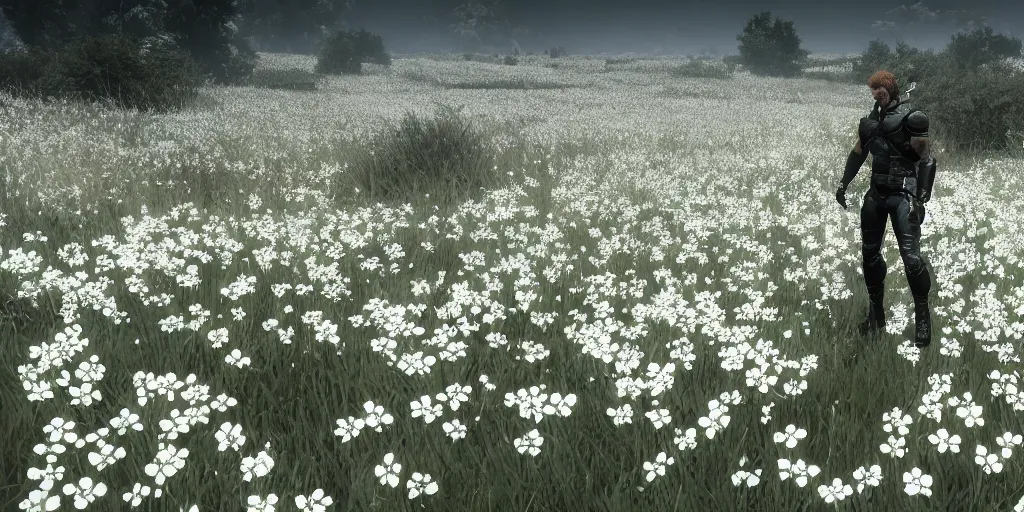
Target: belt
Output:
[(898, 184)]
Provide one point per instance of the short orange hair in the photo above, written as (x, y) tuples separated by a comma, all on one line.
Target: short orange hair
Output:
[(885, 80)]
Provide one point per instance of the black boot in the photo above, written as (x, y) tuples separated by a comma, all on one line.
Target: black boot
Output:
[(875, 320), (922, 322)]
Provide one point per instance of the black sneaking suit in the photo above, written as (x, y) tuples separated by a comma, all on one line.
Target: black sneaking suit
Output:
[(901, 182)]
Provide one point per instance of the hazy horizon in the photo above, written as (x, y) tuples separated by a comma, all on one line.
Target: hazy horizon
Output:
[(694, 27), (648, 26)]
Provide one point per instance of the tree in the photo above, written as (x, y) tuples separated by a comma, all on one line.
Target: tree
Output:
[(204, 29), (8, 39), (480, 26), (770, 46), (294, 26), (39, 23), (980, 46)]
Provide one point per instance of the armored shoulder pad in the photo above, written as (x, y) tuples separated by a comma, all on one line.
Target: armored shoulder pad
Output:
[(917, 123), (867, 126)]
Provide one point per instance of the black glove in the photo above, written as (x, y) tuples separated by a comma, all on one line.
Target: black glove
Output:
[(925, 179), (841, 195)]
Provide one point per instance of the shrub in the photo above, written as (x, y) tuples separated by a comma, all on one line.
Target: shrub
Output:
[(732, 60), (556, 52), (444, 157), (370, 48), (770, 46), (21, 70), (149, 75), (704, 69), (232, 64), (979, 108), (344, 52), (338, 56), (510, 60), (970, 50)]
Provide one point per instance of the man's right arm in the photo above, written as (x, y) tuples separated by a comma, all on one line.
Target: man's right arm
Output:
[(854, 160)]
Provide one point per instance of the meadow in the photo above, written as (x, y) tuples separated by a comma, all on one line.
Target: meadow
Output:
[(655, 310)]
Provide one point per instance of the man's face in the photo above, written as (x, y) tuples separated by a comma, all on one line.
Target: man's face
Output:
[(880, 94)]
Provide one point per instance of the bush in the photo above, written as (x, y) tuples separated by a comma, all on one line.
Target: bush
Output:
[(21, 70), (233, 64), (444, 157), (732, 60), (704, 69), (150, 75), (338, 56), (979, 108), (510, 60), (770, 46), (370, 48), (344, 52), (557, 52), (970, 50)]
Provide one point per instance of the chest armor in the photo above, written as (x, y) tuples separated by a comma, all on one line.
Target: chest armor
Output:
[(884, 135)]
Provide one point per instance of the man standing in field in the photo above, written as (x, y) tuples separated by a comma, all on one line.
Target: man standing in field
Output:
[(902, 174)]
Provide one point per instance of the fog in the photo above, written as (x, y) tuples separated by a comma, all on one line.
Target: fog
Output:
[(701, 27), (691, 27)]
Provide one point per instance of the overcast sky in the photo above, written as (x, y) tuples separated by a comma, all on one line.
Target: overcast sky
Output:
[(684, 26)]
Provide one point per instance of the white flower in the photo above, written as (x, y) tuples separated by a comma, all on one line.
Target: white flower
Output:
[(917, 483), (799, 470), (835, 492), (134, 498), (85, 492), (257, 467), (376, 417), (897, 419), (316, 502), (657, 467), (716, 420), (421, 484), (424, 408), (989, 462), (791, 436), (349, 429), (894, 447), (454, 429), (867, 477), (1008, 441), (687, 440), (531, 442), (388, 473), (751, 479), (659, 418), (257, 504), (41, 501), (944, 441), (229, 436)]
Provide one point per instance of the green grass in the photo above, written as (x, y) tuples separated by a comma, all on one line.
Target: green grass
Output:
[(288, 79), (633, 241)]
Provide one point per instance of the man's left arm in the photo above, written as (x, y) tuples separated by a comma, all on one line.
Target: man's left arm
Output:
[(917, 125)]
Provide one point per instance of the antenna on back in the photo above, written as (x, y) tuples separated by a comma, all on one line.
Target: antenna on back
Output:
[(911, 87)]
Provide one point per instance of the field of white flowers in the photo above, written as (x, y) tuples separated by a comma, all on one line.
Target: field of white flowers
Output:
[(658, 315)]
